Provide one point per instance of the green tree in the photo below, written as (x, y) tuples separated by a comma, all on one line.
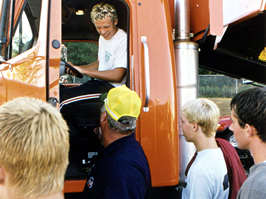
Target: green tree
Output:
[(81, 53)]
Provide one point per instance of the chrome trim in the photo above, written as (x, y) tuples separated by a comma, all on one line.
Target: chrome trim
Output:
[(182, 19), (132, 73), (147, 73)]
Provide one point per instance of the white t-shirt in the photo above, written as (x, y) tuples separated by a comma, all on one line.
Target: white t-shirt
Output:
[(207, 177), (113, 53)]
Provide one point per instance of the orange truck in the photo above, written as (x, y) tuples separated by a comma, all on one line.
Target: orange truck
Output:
[(167, 41)]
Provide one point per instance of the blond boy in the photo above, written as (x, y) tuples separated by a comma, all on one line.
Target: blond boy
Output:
[(34, 147)]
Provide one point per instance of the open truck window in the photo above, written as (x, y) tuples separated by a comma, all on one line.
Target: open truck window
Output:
[(79, 34), (79, 53), (80, 41)]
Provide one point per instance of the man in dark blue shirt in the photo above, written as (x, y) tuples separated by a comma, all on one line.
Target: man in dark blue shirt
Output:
[(121, 169)]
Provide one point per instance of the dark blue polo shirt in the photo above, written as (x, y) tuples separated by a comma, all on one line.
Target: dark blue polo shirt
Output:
[(121, 171)]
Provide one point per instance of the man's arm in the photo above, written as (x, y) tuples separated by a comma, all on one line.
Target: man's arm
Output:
[(116, 75), (85, 68)]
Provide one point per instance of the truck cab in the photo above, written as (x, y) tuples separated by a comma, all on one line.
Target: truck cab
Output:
[(167, 41)]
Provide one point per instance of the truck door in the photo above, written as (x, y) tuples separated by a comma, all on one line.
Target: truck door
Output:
[(23, 66), (155, 81)]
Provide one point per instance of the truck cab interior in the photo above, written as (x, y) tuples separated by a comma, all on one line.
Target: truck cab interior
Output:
[(80, 38), (79, 34)]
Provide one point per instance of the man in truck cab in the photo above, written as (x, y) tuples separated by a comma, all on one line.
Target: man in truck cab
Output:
[(121, 169), (111, 65), (34, 145), (79, 105)]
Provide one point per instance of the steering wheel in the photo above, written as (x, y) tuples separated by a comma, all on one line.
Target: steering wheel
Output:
[(75, 72)]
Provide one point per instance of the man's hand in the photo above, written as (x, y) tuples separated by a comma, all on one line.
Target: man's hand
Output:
[(73, 70), (84, 69)]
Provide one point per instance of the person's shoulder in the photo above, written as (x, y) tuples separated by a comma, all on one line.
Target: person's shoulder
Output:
[(131, 153), (257, 174), (122, 32), (210, 154), (209, 161), (121, 35), (130, 150), (251, 188)]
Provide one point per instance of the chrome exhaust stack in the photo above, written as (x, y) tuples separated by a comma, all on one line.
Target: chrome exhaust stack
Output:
[(186, 59)]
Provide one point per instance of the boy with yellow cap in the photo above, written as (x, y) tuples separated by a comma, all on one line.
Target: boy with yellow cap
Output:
[(121, 170)]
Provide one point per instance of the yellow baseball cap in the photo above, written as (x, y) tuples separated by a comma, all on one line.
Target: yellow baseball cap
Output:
[(121, 101), (262, 55)]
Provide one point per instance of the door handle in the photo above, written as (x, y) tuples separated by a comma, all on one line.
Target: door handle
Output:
[(147, 72)]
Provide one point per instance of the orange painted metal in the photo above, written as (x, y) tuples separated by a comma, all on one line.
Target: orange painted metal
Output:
[(223, 13), (157, 129), (18, 7), (74, 186), (24, 75), (55, 34), (199, 16), (171, 4), (212, 12)]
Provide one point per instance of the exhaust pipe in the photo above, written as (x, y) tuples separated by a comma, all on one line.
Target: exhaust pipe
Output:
[(182, 19), (186, 59)]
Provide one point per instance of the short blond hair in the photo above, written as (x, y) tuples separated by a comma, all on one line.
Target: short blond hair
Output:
[(34, 145), (102, 10), (204, 112)]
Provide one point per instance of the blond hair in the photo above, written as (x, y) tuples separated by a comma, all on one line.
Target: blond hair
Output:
[(34, 145), (102, 10), (204, 112)]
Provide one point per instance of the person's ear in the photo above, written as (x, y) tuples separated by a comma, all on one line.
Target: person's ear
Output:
[(103, 117), (115, 22), (250, 130), (195, 127), (2, 175)]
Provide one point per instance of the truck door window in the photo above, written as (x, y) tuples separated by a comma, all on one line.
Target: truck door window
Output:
[(80, 36), (80, 53), (23, 37), (25, 32)]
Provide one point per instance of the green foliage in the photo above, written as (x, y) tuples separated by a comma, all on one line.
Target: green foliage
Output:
[(81, 53), (219, 86), (203, 71)]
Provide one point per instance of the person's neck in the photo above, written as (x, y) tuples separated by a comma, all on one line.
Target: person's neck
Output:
[(113, 34), (112, 136), (115, 31), (258, 150), (202, 142)]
